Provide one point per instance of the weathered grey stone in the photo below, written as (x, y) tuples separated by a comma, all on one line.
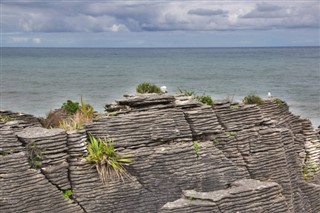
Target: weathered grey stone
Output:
[(245, 195), (235, 142), (26, 190), (143, 129), (51, 145)]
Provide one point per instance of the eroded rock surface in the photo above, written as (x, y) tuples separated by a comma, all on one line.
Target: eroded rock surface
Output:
[(188, 157)]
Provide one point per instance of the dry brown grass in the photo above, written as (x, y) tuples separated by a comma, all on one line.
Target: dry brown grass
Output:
[(54, 118), (61, 118), (75, 121)]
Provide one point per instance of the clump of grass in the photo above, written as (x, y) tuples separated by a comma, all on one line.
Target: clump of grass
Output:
[(6, 118), (70, 116), (147, 87), (186, 92), (54, 118), (196, 147), (253, 99), (278, 101), (109, 164), (67, 193), (205, 99)]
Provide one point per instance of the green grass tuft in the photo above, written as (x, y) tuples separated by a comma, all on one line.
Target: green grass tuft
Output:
[(186, 92), (231, 134), (6, 118), (205, 99), (279, 102), (196, 147), (67, 193), (109, 164), (215, 142), (146, 87), (253, 99)]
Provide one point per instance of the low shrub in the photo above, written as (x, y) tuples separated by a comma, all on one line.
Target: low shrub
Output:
[(70, 106), (146, 87), (109, 164), (252, 99)]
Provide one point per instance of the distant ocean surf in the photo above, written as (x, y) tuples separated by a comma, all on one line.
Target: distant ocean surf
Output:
[(35, 80)]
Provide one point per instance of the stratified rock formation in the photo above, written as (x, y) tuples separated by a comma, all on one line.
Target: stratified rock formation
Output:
[(249, 158)]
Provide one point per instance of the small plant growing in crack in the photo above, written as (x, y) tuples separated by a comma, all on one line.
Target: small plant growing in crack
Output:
[(109, 163), (67, 193), (196, 147), (231, 134), (234, 107), (3, 153), (215, 142), (190, 198), (34, 155)]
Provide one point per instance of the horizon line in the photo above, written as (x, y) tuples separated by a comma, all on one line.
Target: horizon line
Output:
[(186, 47)]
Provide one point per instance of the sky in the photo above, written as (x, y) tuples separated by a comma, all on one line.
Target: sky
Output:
[(141, 23)]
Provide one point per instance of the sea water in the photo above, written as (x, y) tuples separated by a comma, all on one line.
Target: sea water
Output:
[(37, 80)]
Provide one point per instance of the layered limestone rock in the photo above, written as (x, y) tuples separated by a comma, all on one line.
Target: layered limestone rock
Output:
[(47, 149), (27, 190), (245, 195), (187, 157)]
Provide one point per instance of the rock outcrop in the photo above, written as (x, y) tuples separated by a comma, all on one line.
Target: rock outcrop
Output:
[(247, 158)]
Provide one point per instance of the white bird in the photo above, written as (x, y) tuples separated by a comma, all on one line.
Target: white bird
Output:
[(163, 89), (269, 95)]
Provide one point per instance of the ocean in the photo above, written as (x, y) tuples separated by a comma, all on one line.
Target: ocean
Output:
[(37, 80)]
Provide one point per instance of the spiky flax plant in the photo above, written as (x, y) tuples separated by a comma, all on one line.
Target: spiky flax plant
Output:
[(109, 163)]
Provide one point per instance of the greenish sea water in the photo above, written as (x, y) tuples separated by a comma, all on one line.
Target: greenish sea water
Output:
[(36, 80)]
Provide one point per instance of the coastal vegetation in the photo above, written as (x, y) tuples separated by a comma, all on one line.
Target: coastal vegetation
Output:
[(109, 163), (278, 101), (70, 116), (5, 118), (34, 155), (67, 193), (253, 99), (196, 147), (205, 99), (147, 87)]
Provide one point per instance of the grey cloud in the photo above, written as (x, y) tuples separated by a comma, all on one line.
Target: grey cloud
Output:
[(266, 7), (207, 12), (138, 16)]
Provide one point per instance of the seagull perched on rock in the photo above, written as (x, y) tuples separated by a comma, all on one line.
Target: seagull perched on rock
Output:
[(163, 89), (269, 95)]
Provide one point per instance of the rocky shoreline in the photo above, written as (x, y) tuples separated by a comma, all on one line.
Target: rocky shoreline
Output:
[(249, 158)]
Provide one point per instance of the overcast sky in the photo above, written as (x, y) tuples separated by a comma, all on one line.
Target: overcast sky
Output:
[(92, 23)]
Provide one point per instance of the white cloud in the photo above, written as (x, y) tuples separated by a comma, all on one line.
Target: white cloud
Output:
[(36, 40), (18, 39)]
